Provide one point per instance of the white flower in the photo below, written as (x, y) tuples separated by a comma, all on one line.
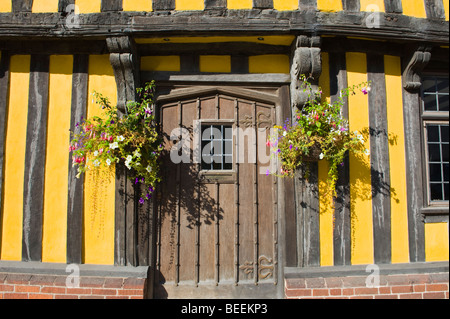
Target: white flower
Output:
[(113, 145), (96, 153), (321, 156), (149, 168), (120, 138), (108, 162), (366, 152), (284, 133), (96, 163), (128, 161), (136, 153)]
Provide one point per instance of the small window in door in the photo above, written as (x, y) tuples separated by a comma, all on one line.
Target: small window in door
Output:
[(217, 147)]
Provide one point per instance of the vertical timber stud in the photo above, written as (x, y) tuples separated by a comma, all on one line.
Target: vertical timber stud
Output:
[(63, 4), (393, 6), (342, 229), (306, 60), (263, 4), (76, 185), (435, 9), (351, 5), (4, 84), (163, 5), (379, 143), (125, 62), (111, 5), (308, 4), (413, 66), (33, 197), (22, 5), (215, 4)]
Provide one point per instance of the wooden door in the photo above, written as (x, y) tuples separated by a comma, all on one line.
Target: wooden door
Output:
[(216, 220)]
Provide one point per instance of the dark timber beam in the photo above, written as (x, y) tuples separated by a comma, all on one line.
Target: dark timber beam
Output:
[(379, 150), (33, 196), (4, 97), (22, 5), (76, 185), (133, 222), (412, 68), (109, 24), (342, 222)]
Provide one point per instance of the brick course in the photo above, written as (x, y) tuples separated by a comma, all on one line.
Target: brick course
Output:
[(30, 286), (420, 286)]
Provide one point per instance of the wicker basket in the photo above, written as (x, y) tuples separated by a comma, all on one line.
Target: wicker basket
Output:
[(314, 154)]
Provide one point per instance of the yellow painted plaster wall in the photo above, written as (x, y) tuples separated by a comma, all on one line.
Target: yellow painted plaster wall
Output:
[(54, 240), (189, 5), (329, 5), (285, 5), (137, 5), (14, 160), (160, 63), (88, 6), (215, 63), (360, 179), (446, 9), (44, 6), (326, 204), (5, 6), (99, 188), (269, 63), (372, 5), (239, 4), (397, 160), (414, 8), (270, 39), (436, 242)]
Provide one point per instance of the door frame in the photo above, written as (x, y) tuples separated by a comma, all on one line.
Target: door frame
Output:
[(279, 96)]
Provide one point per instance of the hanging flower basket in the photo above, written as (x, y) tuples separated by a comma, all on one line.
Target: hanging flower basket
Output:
[(131, 140), (313, 155), (318, 132)]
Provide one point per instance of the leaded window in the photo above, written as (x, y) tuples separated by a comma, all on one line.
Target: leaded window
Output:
[(435, 105)]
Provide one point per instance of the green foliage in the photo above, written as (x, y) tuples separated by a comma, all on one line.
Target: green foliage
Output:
[(318, 125), (131, 140)]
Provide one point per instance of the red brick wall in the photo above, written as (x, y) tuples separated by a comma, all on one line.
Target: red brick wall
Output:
[(31, 286), (419, 286)]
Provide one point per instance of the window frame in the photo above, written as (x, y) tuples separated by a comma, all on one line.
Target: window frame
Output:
[(433, 118), (217, 176), (223, 125)]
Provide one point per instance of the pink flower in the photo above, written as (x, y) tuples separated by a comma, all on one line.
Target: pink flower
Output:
[(365, 90)]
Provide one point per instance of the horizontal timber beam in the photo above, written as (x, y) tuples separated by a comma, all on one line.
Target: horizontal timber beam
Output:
[(393, 27), (216, 77)]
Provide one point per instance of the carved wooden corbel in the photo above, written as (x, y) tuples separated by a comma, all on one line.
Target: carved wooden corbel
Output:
[(306, 61), (417, 62), (124, 59)]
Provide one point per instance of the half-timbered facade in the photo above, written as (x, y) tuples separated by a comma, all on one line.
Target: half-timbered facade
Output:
[(225, 228)]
